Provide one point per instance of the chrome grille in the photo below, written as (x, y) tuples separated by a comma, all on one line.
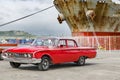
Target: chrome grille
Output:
[(19, 55)]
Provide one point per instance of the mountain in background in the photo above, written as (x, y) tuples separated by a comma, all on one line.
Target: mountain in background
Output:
[(15, 34)]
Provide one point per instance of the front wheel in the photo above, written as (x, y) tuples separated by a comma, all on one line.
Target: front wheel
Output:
[(15, 65), (44, 65), (81, 61), (1, 56)]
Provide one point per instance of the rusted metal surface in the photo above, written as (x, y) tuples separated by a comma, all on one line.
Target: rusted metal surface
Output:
[(8, 44), (4, 46), (107, 42), (106, 16)]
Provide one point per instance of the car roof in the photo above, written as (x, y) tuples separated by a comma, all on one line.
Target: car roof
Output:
[(67, 38)]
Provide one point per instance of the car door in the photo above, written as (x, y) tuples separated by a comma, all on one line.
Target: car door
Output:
[(72, 51), (67, 50), (59, 52)]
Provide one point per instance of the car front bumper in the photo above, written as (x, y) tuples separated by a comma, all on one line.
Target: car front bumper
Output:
[(22, 60)]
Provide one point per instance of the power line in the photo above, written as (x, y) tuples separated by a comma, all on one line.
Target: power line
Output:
[(25, 16)]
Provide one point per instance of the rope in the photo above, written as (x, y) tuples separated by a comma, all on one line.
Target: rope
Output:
[(25, 16), (92, 26)]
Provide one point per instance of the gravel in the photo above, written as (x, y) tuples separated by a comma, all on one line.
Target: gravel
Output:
[(106, 66)]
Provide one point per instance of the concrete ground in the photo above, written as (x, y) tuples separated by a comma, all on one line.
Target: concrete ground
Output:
[(106, 66)]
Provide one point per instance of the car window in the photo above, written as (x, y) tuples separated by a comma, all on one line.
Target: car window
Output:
[(45, 42), (71, 43), (62, 43)]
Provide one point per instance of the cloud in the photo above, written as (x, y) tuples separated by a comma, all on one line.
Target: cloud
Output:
[(20, 7), (44, 23), (116, 1)]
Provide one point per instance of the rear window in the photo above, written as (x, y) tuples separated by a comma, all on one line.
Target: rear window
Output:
[(71, 43), (62, 43)]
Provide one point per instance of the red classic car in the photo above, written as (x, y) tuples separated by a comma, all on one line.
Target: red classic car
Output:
[(46, 51)]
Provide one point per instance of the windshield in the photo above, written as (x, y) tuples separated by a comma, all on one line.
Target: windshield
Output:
[(45, 42)]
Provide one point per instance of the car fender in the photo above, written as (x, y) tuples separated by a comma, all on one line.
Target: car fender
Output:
[(40, 54)]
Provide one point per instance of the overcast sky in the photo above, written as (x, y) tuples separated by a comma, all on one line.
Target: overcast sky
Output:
[(44, 23)]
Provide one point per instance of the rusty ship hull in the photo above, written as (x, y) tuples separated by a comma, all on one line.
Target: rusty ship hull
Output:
[(89, 18)]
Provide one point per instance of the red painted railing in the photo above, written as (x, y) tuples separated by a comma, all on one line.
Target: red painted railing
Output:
[(107, 40)]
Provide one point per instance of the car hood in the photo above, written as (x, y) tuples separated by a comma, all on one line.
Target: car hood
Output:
[(29, 49)]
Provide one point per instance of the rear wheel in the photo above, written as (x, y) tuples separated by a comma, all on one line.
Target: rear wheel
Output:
[(15, 65), (81, 61), (44, 65)]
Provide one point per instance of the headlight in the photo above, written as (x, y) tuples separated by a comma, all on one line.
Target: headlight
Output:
[(27, 55), (6, 54), (9, 54)]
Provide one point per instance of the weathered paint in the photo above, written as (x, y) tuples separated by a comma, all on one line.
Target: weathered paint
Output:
[(104, 15), (107, 14), (97, 34), (106, 42)]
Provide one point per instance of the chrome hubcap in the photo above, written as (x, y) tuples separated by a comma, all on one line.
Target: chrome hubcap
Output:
[(45, 64), (81, 61)]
